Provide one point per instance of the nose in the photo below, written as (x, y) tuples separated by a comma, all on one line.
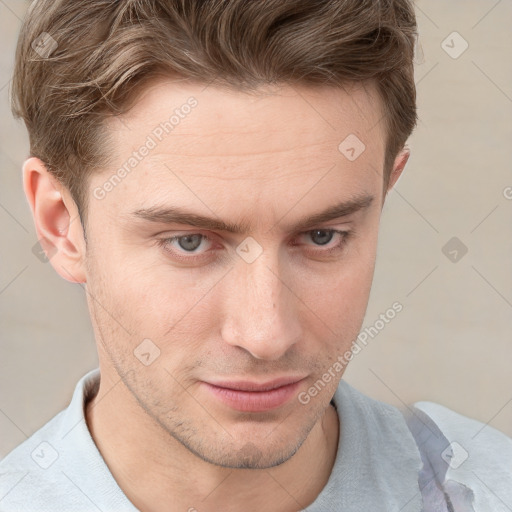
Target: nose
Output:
[(260, 310)]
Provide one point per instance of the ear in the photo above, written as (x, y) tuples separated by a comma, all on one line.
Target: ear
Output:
[(398, 167), (56, 221)]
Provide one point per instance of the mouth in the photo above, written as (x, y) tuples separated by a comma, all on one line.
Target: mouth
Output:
[(247, 396)]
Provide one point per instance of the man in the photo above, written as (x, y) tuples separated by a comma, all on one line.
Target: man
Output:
[(213, 173)]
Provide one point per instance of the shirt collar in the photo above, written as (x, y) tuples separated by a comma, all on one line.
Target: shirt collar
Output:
[(377, 461)]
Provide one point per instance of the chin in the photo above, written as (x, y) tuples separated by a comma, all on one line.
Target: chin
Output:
[(263, 452), (251, 456)]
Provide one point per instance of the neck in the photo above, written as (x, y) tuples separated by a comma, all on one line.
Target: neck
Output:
[(154, 470)]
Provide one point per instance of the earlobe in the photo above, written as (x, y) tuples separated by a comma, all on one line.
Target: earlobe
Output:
[(56, 220), (398, 167)]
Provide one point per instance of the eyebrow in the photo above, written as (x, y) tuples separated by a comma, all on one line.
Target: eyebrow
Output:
[(178, 215)]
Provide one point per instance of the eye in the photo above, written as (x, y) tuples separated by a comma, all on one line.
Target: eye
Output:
[(191, 246), (185, 244), (322, 237)]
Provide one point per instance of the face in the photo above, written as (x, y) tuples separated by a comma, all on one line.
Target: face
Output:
[(219, 327)]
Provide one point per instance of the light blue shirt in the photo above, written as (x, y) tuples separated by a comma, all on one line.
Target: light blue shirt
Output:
[(428, 459)]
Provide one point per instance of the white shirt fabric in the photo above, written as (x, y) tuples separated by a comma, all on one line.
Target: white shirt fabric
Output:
[(426, 459)]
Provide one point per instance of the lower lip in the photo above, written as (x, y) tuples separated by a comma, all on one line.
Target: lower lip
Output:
[(254, 401)]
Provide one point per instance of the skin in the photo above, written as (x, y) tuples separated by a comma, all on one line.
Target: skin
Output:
[(266, 160)]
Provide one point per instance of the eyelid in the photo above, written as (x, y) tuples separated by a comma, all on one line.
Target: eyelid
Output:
[(207, 234), (343, 233), (191, 257)]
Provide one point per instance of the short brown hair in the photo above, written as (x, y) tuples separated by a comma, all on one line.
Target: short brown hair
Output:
[(108, 49)]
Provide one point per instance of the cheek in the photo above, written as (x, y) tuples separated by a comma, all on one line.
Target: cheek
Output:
[(172, 308), (339, 303), (341, 292)]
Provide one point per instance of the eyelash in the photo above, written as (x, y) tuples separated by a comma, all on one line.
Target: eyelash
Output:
[(165, 242)]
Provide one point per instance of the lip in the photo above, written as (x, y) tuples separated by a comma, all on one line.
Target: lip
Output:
[(247, 396)]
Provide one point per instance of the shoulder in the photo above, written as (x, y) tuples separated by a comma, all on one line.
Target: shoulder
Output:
[(25, 470), (473, 441), (466, 460), (39, 473)]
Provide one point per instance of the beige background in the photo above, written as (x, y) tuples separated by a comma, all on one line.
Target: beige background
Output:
[(451, 343)]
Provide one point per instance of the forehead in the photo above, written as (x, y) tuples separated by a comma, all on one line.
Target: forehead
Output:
[(272, 117), (277, 136)]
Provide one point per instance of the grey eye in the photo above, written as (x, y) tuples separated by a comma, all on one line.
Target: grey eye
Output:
[(321, 236), (189, 242)]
